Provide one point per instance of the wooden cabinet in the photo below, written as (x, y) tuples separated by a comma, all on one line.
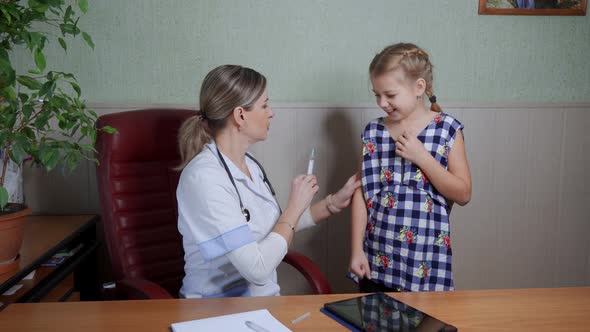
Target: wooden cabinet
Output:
[(74, 278)]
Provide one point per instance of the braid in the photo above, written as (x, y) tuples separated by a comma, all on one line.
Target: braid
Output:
[(434, 106)]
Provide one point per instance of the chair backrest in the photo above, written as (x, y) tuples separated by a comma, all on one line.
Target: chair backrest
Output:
[(137, 190)]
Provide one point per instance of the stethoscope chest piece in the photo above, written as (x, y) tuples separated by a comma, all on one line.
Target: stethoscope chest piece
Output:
[(246, 214)]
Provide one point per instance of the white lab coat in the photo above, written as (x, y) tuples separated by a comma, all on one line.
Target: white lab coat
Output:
[(212, 226)]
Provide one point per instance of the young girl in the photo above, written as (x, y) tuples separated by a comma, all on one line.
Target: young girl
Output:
[(413, 168)]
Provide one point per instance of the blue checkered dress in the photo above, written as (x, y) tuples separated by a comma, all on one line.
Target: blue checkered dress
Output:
[(407, 240)]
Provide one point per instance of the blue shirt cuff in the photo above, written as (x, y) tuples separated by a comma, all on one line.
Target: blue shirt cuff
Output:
[(226, 242)]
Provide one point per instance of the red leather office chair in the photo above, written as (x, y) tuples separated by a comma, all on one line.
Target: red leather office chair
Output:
[(137, 190)]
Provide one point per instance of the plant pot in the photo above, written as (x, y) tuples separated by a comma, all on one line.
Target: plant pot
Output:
[(11, 237), (11, 267)]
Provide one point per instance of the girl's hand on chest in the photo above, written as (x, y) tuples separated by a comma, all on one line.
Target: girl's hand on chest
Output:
[(409, 147)]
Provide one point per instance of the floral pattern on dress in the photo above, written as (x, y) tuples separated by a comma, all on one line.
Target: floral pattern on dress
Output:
[(389, 200), (428, 205), (381, 260), (443, 150), (444, 239), (420, 176), (386, 173), (368, 146), (408, 235), (370, 227), (424, 270)]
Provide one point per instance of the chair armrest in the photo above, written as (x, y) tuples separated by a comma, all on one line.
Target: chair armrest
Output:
[(316, 279), (140, 289)]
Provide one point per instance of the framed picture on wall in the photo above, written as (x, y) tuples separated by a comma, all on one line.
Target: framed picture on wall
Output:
[(532, 7)]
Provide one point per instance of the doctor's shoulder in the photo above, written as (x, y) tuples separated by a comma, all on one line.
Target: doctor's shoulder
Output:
[(205, 172)]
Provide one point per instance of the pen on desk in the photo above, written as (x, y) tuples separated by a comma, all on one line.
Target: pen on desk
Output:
[(255, 327), (300, 318), (310, 163)]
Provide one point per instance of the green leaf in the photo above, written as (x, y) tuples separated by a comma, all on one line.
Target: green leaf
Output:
[(29, 82), (69, 28), (3, 197), (8, 94), (83, 4), (4, 55), (68, 14), (4, 137), (40, 59), (29, 133), (50, 160), (109, 130), (7, 74), (41, 121), (23, 97), (61, 103), (47, 89), (38, 6), (88, 39), (74, 130), (76, 88), (55, 12), (63, 44), (35, 40), (6, 14), (10, 120), (68, 161), (14, 12), (17, 153), (70, 76), (88, 147), (34, 71)]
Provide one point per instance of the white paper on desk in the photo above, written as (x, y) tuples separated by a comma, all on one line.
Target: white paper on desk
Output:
[(235, 322)]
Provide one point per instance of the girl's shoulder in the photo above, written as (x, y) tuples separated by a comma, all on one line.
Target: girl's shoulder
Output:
[(447, 126), (374, 126), (448, 121)]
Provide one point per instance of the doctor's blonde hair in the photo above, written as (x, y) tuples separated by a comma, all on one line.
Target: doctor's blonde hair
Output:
[(223, 89), (411, 60)]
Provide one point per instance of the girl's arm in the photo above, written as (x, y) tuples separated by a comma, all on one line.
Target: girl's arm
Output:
[(334, 203), (454, 183), (359, 264)]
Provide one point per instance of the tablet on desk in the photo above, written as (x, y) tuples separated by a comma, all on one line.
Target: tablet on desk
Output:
[(380, 312)]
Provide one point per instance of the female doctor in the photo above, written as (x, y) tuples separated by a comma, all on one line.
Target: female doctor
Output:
[(234, 232)]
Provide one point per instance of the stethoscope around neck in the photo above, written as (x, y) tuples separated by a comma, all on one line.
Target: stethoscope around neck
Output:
[(265, 179)]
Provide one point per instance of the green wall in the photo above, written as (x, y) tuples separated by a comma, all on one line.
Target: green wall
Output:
[(154, 51)]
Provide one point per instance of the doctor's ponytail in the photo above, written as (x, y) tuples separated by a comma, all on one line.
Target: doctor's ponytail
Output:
[(224, 88), (192, 136)]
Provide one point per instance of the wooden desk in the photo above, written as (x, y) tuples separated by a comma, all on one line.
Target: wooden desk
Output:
[(44, 236), (556, 309)]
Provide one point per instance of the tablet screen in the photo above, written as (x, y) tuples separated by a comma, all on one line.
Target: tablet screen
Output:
[(380, 312)]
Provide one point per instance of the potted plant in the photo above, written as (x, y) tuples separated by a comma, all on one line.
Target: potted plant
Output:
[(41, 114)]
